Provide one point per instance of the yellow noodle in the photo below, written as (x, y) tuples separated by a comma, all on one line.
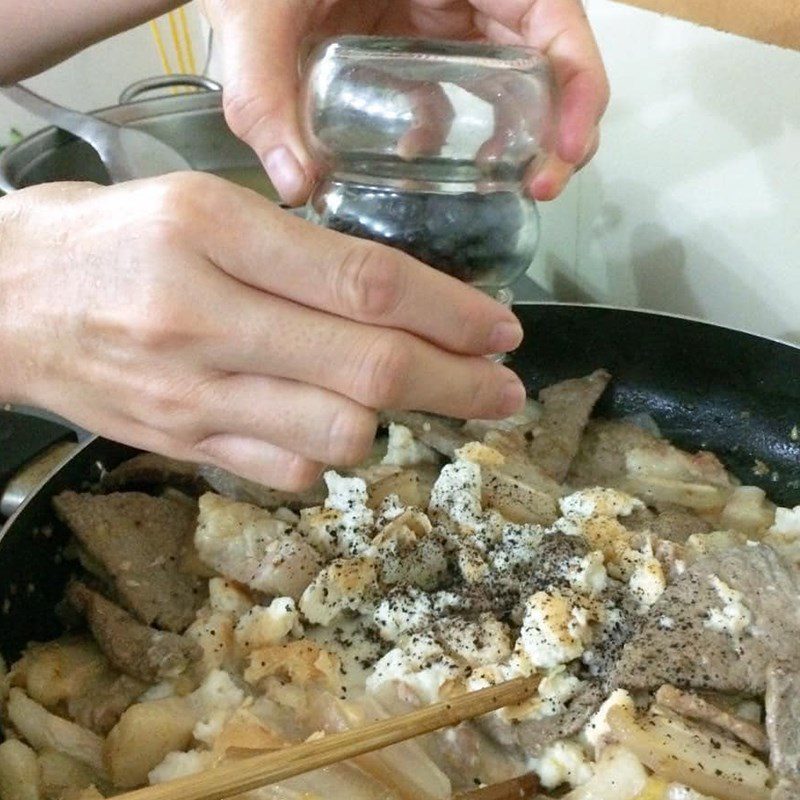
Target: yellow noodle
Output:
[(173, 29), (162, 51), (187, 40)]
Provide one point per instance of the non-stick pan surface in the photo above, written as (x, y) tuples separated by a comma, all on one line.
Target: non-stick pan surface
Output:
[(707, 387), (735, 394)]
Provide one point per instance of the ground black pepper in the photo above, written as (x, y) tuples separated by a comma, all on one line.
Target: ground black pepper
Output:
[(469, 235)]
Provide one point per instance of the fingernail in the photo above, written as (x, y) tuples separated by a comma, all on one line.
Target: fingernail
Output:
[(505, 336), (513, 396), (286, 174)]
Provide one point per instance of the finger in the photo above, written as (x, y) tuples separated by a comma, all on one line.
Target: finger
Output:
[(559, 29), (583, 102), (320, 425), (495, 30), (549, 181), (377, 368), (419, 111), (260, 54), (432, 118), (349, 277), (510, 126), (591, 151), (261, 462)]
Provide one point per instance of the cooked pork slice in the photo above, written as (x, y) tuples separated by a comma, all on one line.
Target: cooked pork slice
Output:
[(694, 707), (100, 706), (135, 649), (600, 460), (640, 519), (678, 524), (719, 626), (245, 491), (673, 524), (138, 540), (249, 545), (567, 406), (151, 469), (444, 435), (783, 722), (534, 735)]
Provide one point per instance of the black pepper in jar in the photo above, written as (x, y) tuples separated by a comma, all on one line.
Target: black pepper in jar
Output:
[(477, 237)]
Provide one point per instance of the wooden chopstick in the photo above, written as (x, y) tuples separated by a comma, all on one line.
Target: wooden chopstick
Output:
[(230, 779)]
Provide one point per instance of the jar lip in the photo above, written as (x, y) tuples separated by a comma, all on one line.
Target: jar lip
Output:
[(383, 183), (432, 50)]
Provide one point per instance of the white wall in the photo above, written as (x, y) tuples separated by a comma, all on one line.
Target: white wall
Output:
[(692, 204)]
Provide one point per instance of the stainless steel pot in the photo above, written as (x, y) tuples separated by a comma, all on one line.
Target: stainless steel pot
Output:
[(192, 122)]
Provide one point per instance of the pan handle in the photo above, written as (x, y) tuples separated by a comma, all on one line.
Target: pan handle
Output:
[(167, 82), (30, 447)]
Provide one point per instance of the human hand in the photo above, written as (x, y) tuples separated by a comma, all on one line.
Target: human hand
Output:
[(192, 317), (261, 46)]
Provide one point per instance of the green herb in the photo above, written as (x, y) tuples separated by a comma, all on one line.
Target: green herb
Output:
[(14, 136)]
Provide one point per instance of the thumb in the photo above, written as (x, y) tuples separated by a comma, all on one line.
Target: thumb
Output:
[(260, 46)]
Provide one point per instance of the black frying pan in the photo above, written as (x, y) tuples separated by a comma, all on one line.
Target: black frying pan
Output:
[(733, 393)]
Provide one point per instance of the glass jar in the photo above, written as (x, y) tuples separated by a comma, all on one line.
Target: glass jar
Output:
[(425, 145)]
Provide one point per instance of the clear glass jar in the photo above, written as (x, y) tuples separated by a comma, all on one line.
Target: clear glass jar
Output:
[(425, 145)]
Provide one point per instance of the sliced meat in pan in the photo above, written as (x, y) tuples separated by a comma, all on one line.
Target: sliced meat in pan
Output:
[(567, 407), (674, 524), (138, 540), (600, 460), (534, 735), (135, 649), (151, 469), (684, 640), (102, 704)]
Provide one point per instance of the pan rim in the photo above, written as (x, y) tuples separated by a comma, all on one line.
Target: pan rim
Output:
[(8, 524), (659, 313)]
